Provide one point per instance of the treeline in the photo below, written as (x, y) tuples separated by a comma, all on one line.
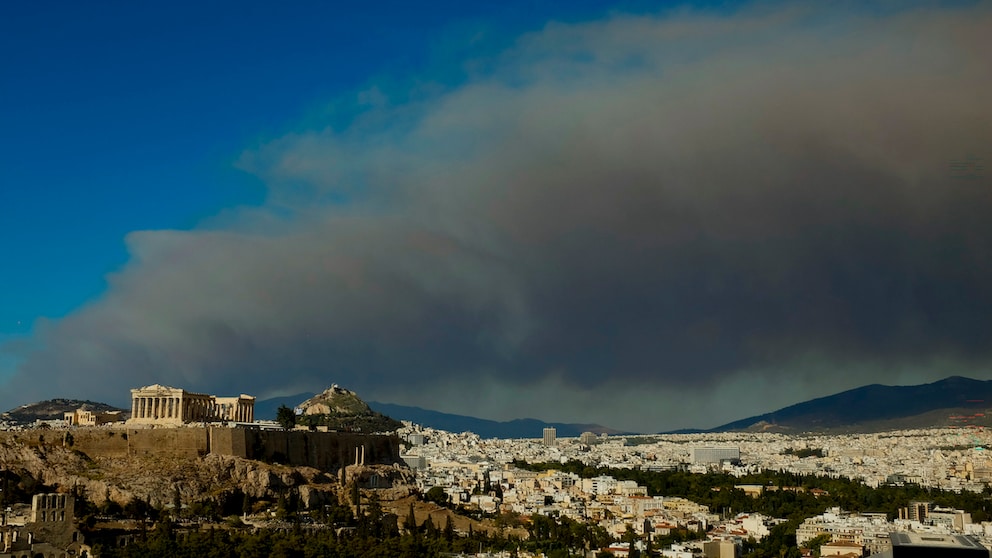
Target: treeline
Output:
[(335, 531), (803, 453)]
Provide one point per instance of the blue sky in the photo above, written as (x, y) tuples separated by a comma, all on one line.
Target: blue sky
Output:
[(219, 118), (123, 116)]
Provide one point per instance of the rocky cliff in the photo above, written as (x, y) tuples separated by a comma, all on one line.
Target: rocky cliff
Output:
[(33, 462)]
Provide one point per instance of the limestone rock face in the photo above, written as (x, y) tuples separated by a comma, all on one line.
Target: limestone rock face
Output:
[(31, 465), (337, 408), (335, 400)]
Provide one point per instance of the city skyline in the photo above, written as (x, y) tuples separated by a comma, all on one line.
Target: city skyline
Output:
[(647, 218)]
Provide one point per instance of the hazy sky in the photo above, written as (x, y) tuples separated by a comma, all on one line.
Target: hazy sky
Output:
[(645, 219)]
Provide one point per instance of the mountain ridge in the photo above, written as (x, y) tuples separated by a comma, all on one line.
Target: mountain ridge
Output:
[(50, 409), (955, 401), (877, 406), (517, 428)]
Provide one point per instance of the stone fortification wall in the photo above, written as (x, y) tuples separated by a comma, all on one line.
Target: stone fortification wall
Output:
[(227, 441), (123, 442), (103, 442), (328, 451), (177, 442)]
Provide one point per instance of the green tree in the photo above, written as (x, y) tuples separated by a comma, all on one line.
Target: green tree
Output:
[(356, 495), (177, 501), (437, 495), (816, 542), (410, 524), (286, 417), (449, 530)]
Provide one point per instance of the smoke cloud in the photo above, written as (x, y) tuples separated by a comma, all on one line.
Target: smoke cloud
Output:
[(647, 222)]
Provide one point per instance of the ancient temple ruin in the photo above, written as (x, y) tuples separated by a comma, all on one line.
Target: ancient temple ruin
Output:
[(164, 405)]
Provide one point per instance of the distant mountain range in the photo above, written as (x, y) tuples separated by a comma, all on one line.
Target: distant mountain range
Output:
[(518, 428), (954, 401)]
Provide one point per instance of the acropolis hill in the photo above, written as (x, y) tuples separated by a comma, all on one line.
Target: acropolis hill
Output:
[(201, 446)]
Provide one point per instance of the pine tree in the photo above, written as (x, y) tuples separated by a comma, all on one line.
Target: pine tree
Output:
[(177, 501), (410, 523), (286, 417), (449, 531)]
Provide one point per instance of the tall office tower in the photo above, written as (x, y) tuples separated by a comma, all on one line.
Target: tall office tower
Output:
[(550, 436)]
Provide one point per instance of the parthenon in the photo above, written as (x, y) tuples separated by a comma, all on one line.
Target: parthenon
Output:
[(164, 405)]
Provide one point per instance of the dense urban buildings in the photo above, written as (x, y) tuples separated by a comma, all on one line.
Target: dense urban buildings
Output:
[(715, 456), (485, 475), (939, 458)]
